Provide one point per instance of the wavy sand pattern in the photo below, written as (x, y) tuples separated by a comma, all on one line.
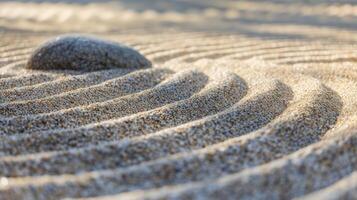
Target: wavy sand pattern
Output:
[(245, 100)]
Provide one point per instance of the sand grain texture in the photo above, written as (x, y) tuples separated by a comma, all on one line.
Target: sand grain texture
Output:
[(240, 100)]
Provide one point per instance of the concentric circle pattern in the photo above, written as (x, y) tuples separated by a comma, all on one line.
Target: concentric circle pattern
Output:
[(245, 100)]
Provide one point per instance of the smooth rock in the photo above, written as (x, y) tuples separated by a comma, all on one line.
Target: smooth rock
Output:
[(76, 52)]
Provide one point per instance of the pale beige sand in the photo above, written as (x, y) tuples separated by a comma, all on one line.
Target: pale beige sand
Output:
[(245, 100)]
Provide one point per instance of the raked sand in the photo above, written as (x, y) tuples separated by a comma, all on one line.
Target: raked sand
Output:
[(245, 100)]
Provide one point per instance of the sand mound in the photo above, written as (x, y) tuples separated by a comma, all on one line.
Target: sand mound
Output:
[(245, 100)]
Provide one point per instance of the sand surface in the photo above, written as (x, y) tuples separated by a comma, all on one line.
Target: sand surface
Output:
[(245, 100)]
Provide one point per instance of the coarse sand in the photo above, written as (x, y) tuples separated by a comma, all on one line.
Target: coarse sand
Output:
[(199, 99)]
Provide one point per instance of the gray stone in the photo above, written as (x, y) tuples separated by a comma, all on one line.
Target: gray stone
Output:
[(76, 52)]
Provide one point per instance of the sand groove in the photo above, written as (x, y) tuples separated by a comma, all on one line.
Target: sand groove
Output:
[(57, 86), (104, 91), (26, 80), (243, 118), (245, 100), (168, 170), (297, 163), (343, 189), (177, 88), (204, 103)]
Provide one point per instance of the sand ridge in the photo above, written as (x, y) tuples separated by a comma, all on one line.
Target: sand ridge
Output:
[(245, 100)]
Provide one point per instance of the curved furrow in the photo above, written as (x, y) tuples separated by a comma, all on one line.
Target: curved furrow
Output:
[(228, 157), (266, 50), (177, 43), (247, 45), (207, 55), (244, 52), (15, 48), (165, 42), (145, 39), (276, 55), (175, 56), (310, 169), (341, 79), (347, 76), (181, 86), (225, 91), (256, 110), (346, 188), (11, 63), (244, 101), (285, 56), (320, 58), (166, 48), (16, 53), (113, 88), (170, 54), (57, 86), (14, 58), (16, 67), (24, 80), (256, 148)]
